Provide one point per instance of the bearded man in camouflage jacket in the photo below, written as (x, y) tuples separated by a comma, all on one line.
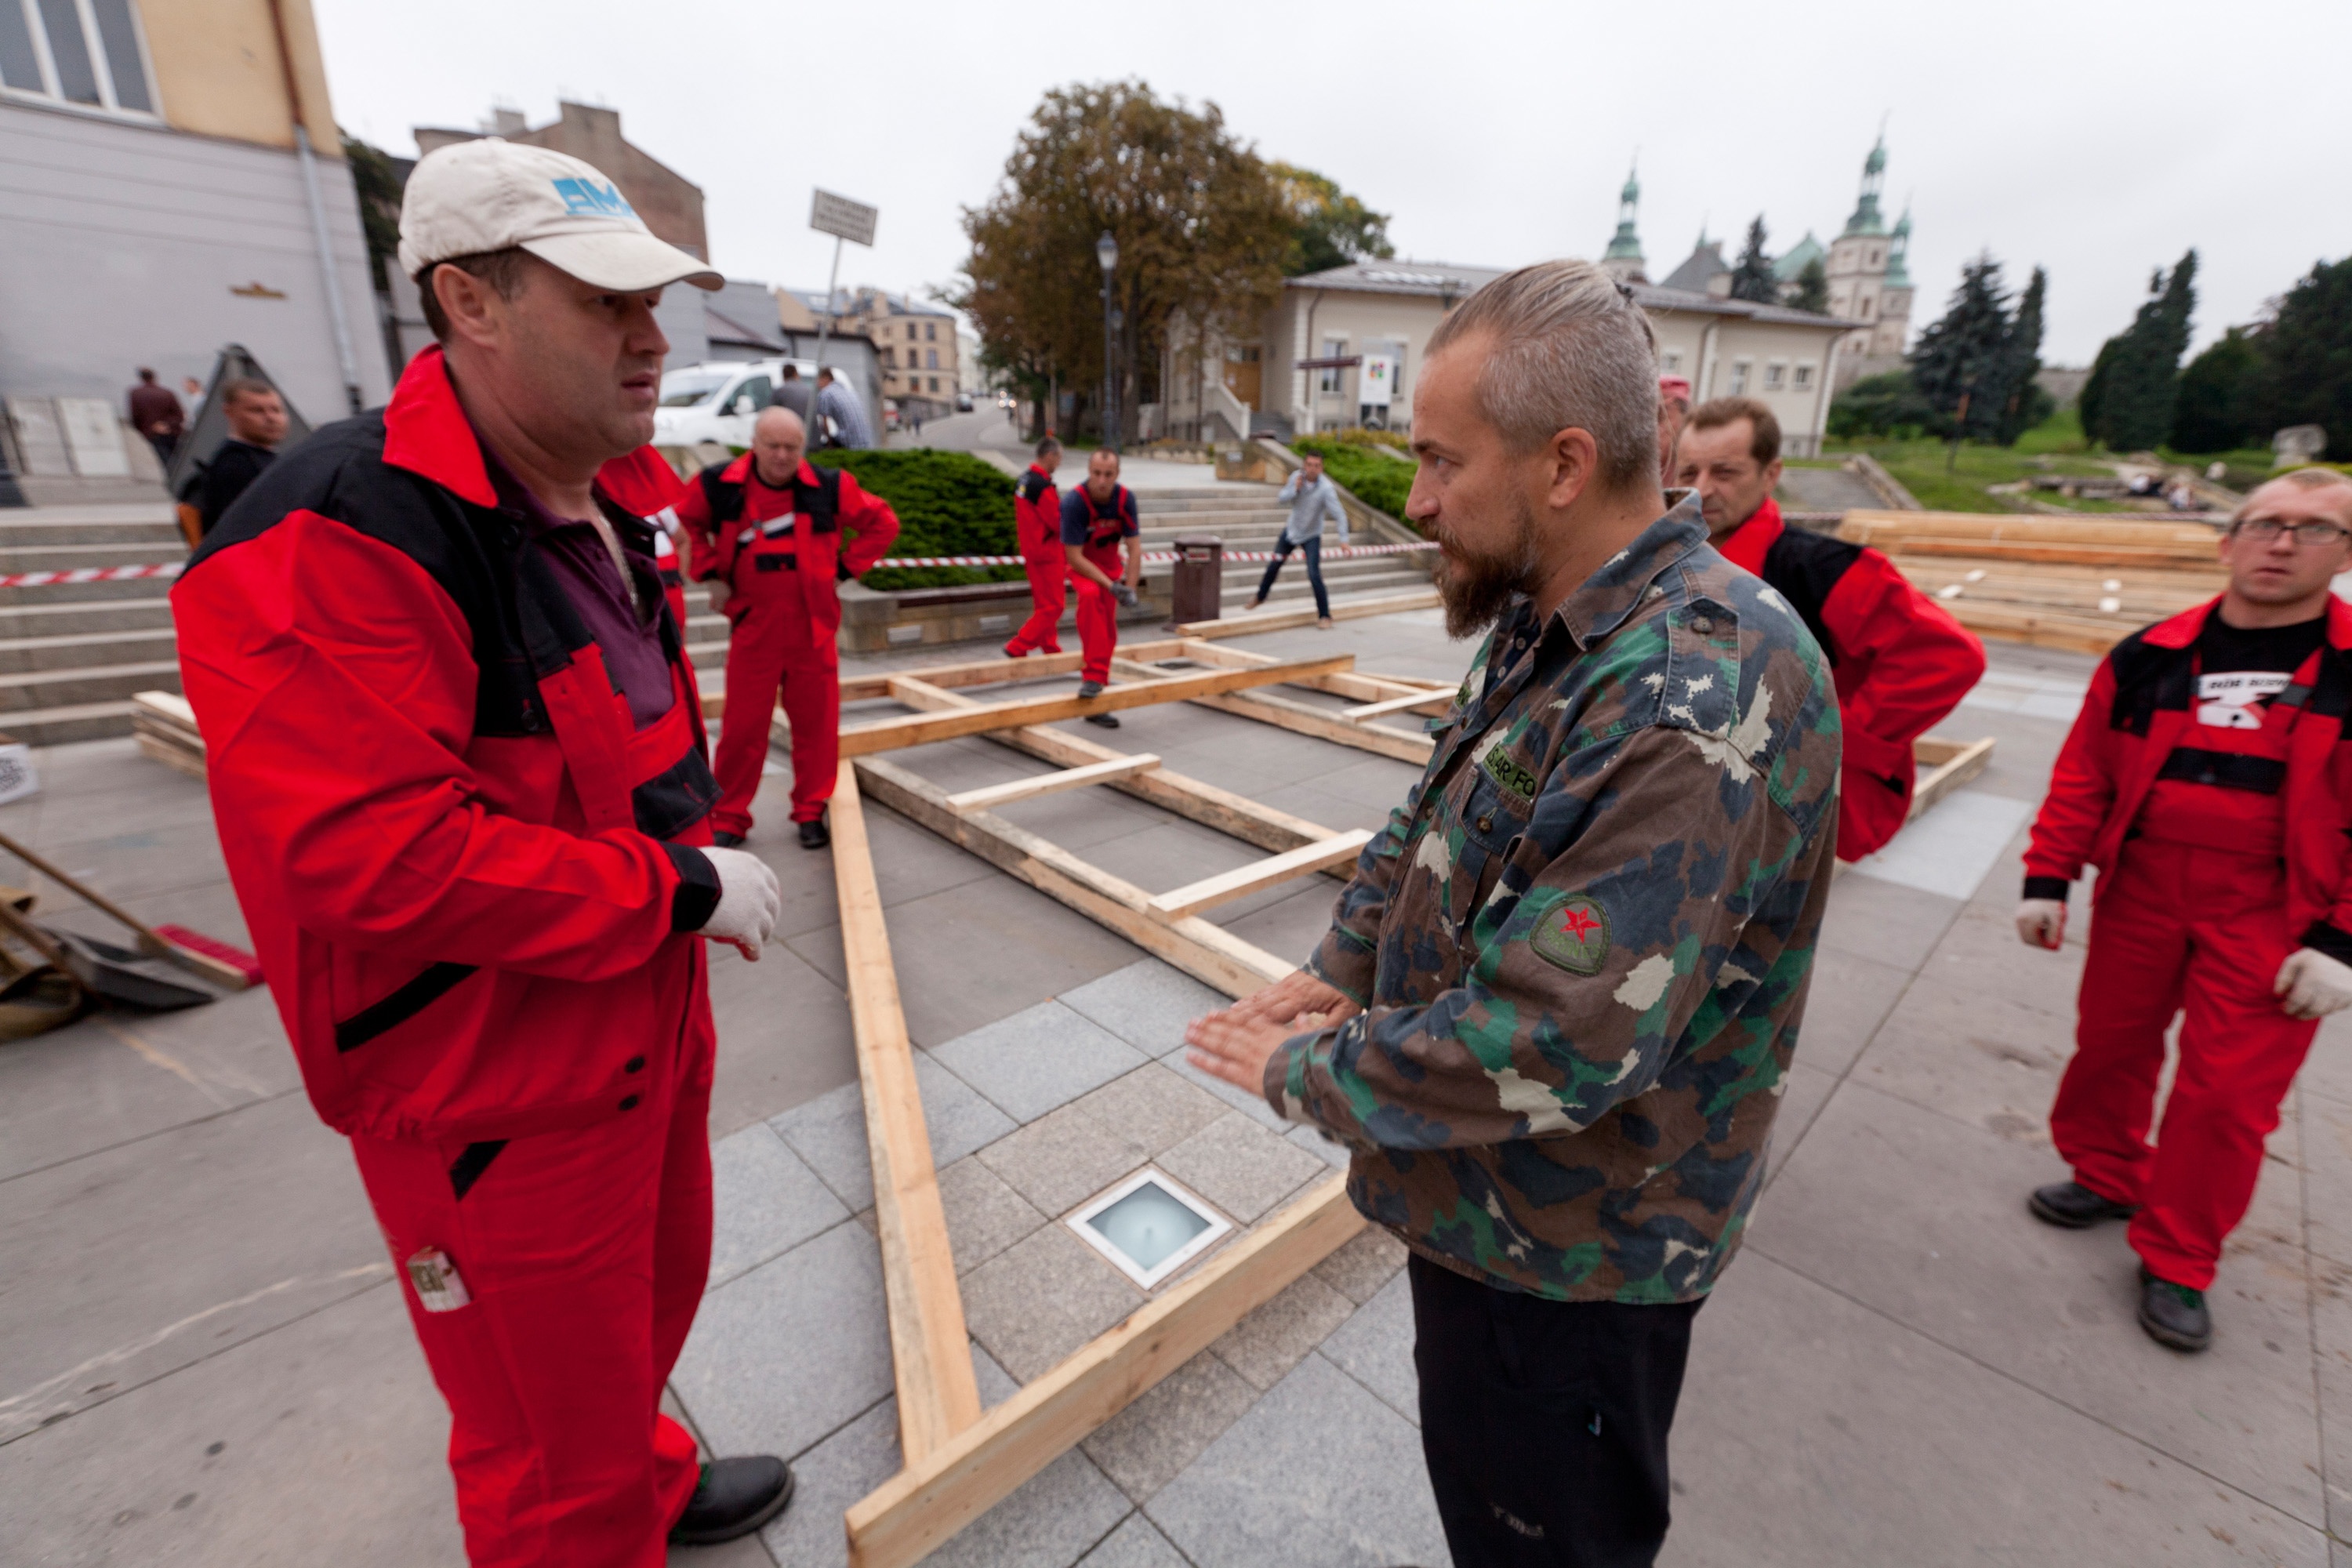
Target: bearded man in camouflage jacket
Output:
[(1556, 1008)]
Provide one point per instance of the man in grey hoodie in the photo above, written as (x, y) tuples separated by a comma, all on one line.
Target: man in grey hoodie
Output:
[(1312, 498)]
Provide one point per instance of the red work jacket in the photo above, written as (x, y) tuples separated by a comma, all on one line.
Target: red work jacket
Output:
[(1037, 519), (1900, 662), (643, 482), (2140, 710), (822, 506), (469, 876)]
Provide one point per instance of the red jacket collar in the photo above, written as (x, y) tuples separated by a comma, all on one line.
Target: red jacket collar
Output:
[(741, 472), (2183, 628), (1746, 545), (426, 432)]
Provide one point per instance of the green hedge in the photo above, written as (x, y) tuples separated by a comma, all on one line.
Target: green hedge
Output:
[(1379, 482), (949, 503)]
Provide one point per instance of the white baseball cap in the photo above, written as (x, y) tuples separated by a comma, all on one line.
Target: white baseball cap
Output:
[(491, 193)]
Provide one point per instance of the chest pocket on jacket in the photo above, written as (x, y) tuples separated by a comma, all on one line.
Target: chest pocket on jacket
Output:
[(1493, 817)]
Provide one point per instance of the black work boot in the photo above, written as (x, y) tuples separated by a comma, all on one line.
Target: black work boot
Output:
[(815, 834), (2173, 1315), (727, 840), (1091, 688), (734, 1498), (2075, 1206)]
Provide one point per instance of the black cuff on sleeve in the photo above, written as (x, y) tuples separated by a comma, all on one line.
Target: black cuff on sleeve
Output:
[(2321, 937), (697, 896), (2047, 888)]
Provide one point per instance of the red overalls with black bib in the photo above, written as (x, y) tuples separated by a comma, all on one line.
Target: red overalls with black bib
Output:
[(1037, 525), (2214, 802), (647, 485), (781, 552), (1100, 529)]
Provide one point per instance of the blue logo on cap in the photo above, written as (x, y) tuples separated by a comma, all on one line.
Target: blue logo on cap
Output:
[(588, 197)]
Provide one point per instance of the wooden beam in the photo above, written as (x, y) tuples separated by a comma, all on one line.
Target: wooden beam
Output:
[(1283, 620), (993, 795), (1300, 719), (992, 671), (921, 729), (1954, 763), (921, 695), (1226, 885), (930, 1353), (1416, 700), (919, 1508)]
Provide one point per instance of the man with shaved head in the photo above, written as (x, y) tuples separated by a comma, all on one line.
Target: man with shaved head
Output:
[(773, 535)]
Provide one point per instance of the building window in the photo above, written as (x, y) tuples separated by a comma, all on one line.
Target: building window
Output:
[(935, 383), (1672, 362), (1332, 348), (1775, 375), (1866, 302), (932, 335), (87, 53), (931, 361), (1740, 369), (1804, 378)]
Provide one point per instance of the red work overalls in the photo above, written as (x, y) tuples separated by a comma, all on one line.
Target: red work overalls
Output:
[(1038, 524), (1107, 532)]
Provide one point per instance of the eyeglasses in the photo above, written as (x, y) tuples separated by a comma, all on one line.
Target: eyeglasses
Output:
[(2312, 535)]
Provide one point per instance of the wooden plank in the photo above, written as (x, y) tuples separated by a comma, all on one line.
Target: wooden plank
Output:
[(919, 1508), (1300, 719), (1207, 951), (991, 796), (168, 706), (930, 1353), (992, 671), (1441, 701), (921, 729), (1283, 620), (1956, 767), (1226, 885), (921, 695), (171, 756)]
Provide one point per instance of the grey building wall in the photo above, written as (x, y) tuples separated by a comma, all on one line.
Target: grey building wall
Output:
[(123, 243)]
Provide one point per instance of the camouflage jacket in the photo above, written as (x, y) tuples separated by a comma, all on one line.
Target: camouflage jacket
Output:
[(1582, 942)]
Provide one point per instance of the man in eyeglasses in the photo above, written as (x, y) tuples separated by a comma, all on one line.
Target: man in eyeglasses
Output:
[(2205, 782)]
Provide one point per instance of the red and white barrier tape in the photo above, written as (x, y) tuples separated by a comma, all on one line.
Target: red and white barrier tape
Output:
[(89, 574)]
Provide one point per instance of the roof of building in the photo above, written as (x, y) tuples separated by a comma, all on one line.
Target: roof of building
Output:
[(1705, 261), (743, 312), (1786, 269), (1436, 279), (1659, 297)]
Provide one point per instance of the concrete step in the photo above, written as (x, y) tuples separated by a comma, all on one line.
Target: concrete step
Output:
[(27, 655), (68, 557), (20, 693), (75, 721), (127, 588), (82, 618), (15, 536)]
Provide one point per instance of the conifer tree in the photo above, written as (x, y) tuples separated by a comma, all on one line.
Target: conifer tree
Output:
[(2141, 385), (1811, 289), (2307, 373), (2216, 409), (2023, 403), (1752, 279), (1961, 363)]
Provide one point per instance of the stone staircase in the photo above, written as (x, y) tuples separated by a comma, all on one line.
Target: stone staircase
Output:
[(72, 654)]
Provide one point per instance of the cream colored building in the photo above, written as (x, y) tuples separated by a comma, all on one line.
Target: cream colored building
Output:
[(920, 357)]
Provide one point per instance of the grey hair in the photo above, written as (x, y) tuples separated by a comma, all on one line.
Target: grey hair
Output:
[(1571, 350)]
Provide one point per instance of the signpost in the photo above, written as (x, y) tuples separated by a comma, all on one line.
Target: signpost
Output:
[(844, 219)]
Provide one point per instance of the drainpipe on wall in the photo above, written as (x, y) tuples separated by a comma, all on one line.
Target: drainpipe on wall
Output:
[(1822, 398), (344, 357), (1307, 377), (1706, 364)]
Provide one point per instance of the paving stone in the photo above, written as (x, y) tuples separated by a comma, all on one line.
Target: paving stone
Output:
[(1849, 999), (1080, 819), (1324, 1147), (1252, 1105), (1042, 1298), (785, 1035), (849, 1464), (2331, 1328), (1147, 1003), (1802, 1095), (1982, 943), (1374, 1346), (984, 1216), (1264, 1346), (1064, 1157), (1155, 1106), (1240, 1167), (1319, 1474), (1039, 1059), (765, 1201), (829, 1132), (1368, 1261), (1145, 1446), (1974, 1056), (1135, 1544), (781, 1355), (1892, 925), (1058, 1516), (1292, 927)]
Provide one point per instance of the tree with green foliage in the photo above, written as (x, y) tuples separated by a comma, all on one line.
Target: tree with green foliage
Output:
[(1328, 226), (2024, 404), (2216, 410), (1885, 405), (1811, 289), (2138, 373), (1961, 364), (2307, 371), (949, 503), (1752, 278), (378, 185)]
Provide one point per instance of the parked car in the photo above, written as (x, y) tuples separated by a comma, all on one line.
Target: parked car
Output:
[(717, 400), (963, 403)]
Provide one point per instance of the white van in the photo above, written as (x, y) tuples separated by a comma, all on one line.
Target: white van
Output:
[(717, 400)]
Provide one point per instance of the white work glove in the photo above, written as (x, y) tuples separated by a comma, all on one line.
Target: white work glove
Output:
[(1127, 596), (749, 902), (2313, 984), (2042, 922)]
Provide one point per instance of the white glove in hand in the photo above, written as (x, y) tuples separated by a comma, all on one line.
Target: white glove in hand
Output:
[(1127, 596), (2042, 922), (2313, 984), (749, 902)]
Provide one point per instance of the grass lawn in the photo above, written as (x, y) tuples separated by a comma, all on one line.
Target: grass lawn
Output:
[(2054, 446)]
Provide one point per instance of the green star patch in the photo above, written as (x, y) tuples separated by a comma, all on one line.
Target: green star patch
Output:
[(1575, 935)]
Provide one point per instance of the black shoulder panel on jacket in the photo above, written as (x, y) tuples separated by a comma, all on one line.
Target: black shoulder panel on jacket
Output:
[(1032, 485), (2147, 678), (1804, 568)]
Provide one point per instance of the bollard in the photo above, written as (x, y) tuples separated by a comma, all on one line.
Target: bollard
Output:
[(1199, 591)]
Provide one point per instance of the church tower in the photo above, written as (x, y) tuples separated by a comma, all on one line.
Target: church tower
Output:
[(1858, 263), (1623, 261)]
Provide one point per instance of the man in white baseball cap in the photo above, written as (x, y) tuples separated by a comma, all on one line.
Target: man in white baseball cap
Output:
[(459, 774)]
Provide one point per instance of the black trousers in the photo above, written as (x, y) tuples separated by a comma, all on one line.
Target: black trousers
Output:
[(1313, 549), (1545, 1423)]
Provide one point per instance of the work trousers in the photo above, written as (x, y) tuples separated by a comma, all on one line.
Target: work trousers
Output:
[(1313, 549), (774, 650), (585, 1254), (1049, 593), (1543, 1423), (1099, 614), (2180, 929)]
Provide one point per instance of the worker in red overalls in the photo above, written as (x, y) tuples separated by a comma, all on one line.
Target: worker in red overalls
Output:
[(643, 482), (457, 767), (2207, 780), (1900, 661), (1102, 542), (768, 529), (1038, 524)]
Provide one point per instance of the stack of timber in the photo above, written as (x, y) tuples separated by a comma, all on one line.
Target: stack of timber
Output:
[(2078, 584), (166, 728)]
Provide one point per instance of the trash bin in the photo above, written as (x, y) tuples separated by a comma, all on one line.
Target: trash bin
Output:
[(1199, 591)]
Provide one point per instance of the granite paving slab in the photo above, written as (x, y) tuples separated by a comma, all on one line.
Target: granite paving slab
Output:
[(1038, 1058), (1064, 1157), (1148, 1444), (1042, 1298), (1363, 1264), (1265, 1345), (1374, 1346), (1241, 1167), (984, 1216), (1135, 1544), (1147, 1003), (764, 1200), (829, 1132)]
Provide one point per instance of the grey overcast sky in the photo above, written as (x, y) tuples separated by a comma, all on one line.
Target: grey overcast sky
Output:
[(2098, 139)]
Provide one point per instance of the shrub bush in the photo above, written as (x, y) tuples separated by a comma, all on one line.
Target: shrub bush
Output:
[(1379, 482), (949, 503), (1886, 404)]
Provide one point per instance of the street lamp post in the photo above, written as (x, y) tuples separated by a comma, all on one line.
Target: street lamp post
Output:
[(1107, 252)]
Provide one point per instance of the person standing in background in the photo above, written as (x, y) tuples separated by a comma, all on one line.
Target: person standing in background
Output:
[(256, 423), (1099, 524), (1674, 413), (839, 407), (1311, 497), (792, 393), (156, 414), (1037, 525)]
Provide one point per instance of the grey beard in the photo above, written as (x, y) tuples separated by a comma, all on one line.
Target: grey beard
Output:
[(1477, 589)]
